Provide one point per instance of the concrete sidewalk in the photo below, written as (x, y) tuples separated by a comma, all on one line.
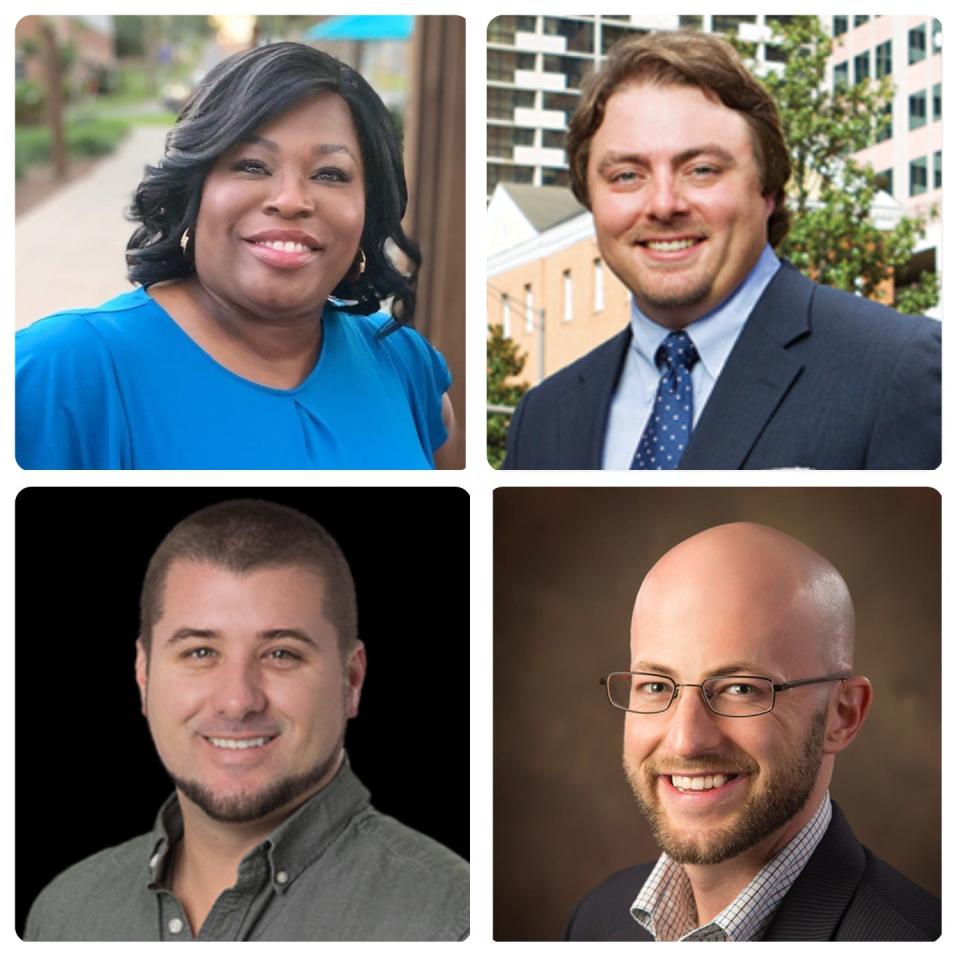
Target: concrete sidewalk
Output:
[(70, 248)]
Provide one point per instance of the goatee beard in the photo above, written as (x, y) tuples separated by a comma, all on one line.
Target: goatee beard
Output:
[(791, 784), (249, 807)]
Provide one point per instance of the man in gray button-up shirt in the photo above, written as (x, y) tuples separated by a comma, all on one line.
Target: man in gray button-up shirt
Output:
[(249, 667)]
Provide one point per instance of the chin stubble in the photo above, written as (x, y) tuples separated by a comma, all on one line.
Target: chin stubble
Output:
[(791, 784)]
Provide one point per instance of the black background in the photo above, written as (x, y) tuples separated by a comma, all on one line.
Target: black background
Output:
[(87, 775)]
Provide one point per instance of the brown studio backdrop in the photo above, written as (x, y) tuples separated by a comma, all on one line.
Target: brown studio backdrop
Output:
[(567, 565)]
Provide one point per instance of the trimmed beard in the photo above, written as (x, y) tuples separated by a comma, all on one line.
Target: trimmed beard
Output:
[(792, 782), (249, 807)]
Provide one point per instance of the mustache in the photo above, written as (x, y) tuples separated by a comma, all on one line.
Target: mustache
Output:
[(703, 763)]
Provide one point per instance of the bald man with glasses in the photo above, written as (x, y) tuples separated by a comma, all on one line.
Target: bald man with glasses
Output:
[(741, 694)]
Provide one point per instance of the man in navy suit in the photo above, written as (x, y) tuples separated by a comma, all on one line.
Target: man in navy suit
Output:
[(732, 359), (740, 694)]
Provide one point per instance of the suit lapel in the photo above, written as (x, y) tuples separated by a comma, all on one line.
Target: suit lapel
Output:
[(757, 375), (582, 427), (818, 899)]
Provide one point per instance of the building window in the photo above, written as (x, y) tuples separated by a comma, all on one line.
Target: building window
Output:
[(884, 59), (840, 26), (505, 313), (860, 19), (597, 285), (840, 75), (935, 98), (503, 64), (578, 33), (884, 180), (528, 308), (554, 177), (885, 123), (937, 181), (936, 36), (571, 68), (504, 29), (918, 109), (567, 295), (918, 176), (504, 173), (502, 140), (502, 104), (917, 44), (861, 66)]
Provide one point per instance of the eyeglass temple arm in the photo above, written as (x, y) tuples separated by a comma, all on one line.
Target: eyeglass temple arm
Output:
[(802, 683)]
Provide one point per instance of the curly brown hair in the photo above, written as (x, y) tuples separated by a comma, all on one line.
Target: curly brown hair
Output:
[(687, 58)]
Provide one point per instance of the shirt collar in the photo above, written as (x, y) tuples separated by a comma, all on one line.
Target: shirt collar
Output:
[(665, 906), (299, 841), (714, 334)]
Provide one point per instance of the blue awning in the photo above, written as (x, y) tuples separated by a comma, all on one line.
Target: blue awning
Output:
[(361, 27)]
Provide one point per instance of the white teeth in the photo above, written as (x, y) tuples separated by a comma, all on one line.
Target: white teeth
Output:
[(238, 744), (708, 782), (285, 246), (669, 246)]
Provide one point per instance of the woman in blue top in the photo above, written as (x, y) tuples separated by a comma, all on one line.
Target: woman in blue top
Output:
[(260, 254)]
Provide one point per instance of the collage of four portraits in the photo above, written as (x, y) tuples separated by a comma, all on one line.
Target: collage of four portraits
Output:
[(373, 620)]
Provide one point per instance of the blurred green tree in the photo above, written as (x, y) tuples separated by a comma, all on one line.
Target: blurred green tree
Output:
[(832, 237), (504, 360)]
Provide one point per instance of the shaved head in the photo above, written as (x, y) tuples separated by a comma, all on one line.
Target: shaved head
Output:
[(749, 573)]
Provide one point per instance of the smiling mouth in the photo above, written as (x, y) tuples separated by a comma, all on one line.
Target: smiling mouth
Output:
[(230, 743), (284, 246), (701, 782), (671, 246)]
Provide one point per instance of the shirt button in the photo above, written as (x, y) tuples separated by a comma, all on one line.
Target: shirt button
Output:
[(175, 925), (282, 876)]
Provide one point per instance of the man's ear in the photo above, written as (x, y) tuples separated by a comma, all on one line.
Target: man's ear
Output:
[(140, 670), (847, 715), (355, 669)]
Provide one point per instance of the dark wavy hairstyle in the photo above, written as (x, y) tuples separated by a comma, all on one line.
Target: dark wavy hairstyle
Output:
[(238, 97), (687, 58)]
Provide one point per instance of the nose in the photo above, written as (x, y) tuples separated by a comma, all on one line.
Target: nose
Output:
[(290, 196), (666, 199), (693, 728), (239, 691)]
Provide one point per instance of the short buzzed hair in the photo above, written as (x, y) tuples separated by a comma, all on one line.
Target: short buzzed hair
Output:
[(246, 535)]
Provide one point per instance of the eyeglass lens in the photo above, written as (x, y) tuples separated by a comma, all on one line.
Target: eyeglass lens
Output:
[(728, 696)]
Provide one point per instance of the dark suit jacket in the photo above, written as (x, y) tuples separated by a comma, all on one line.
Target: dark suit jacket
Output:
[(817, 378), (843, 893)]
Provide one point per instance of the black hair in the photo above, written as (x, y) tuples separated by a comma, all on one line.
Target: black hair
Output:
[(238, 97)]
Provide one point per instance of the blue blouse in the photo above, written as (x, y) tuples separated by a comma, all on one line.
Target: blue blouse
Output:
[(123, 386)]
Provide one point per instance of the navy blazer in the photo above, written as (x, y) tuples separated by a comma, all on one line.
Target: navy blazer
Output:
[(843, 893), (818, 378)]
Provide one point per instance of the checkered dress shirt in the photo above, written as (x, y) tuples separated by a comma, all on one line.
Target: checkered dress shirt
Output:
[(666, 909)]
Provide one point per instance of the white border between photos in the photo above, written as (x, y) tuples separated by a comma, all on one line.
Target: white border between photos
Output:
[(478, 479)]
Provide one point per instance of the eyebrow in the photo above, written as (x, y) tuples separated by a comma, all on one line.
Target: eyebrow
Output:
[(703, 150), (739, 668), (264, 636), (319, 149)]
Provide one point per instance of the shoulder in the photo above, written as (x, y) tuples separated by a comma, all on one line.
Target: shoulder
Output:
[(76, 901), (603, 363), (70, 408), (428, 884), (895, 907), (604, 913)]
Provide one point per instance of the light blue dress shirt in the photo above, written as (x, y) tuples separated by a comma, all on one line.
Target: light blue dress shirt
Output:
[(714, 336)]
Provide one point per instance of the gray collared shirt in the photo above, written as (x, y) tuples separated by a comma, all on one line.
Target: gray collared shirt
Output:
[(334, 870)]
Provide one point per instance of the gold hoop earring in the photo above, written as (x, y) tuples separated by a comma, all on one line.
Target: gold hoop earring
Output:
[(185, 241)]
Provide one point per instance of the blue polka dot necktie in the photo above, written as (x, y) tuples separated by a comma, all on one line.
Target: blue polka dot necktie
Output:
[(668, 430)]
